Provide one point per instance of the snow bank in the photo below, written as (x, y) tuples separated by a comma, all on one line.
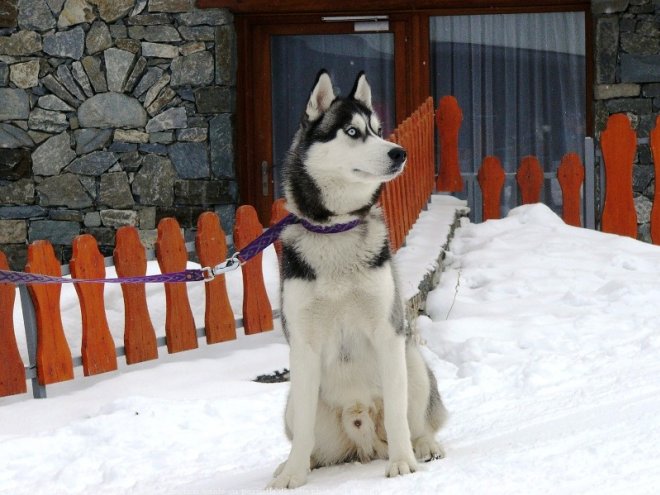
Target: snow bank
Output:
[(545, 340)]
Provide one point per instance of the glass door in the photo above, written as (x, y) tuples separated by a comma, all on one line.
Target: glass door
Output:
[(520, 80)]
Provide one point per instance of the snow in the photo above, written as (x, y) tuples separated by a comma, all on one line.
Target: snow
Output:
[(544, 339)]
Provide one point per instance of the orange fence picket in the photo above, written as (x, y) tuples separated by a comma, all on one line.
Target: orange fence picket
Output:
[(412, 177), (491, 181), (423, 140), (420, 196), (530, 180), (429, 126), (12, 370), (394, 213), (423, 158), (449, 117), (427, 112), (407, 178), (139, 333), (415, 179), (98, 348), (619, 145), (571, 176), (257, 312), (654, 139), (400, 181), (424, 133), (172, 257), (54, 362), (211, 245)]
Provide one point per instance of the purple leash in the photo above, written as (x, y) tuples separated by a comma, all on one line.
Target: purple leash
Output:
[(270, 236), (273, 233), (196, 275), (36, 278)]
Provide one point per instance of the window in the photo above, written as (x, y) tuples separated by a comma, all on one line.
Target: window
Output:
[(520, 82)]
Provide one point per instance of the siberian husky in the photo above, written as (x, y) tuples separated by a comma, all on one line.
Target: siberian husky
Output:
[(360, 389)]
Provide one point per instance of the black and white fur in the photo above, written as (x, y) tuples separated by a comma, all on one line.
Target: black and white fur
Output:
[(360, 389)]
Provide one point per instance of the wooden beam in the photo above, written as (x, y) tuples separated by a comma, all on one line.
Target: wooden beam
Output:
[(372, 6)]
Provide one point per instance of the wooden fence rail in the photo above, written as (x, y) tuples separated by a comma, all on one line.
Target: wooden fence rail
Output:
[(52, 357)]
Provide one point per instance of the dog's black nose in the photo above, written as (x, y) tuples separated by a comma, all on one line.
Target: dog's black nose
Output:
[(398, 155)]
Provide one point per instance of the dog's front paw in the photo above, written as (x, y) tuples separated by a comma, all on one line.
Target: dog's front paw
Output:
[(401, 467), (427, 449), (287, 479), (279, 469)]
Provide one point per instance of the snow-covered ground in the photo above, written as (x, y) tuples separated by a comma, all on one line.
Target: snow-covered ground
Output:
[(545, 340)]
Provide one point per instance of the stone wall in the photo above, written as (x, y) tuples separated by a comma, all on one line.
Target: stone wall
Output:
[(112, 112), (627, 79)]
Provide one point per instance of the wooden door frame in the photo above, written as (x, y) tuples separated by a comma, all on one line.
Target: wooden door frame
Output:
[(373, 6), (254, 79), (411, 60)]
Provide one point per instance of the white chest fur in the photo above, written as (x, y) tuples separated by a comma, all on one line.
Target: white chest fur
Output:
[(345, 307)]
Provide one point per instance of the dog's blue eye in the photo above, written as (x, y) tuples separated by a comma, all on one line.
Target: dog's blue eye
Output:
[(352, 132)]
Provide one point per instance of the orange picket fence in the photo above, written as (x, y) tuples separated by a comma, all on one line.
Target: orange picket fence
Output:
[(529, 177), (405, 197), (51, 360), (50, 356), (618, 144)]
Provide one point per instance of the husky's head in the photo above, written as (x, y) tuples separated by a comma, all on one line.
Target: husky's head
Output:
[(338, 160)]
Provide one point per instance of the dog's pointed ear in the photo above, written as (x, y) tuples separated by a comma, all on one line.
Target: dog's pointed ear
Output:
[(362, 91), (321, 96)]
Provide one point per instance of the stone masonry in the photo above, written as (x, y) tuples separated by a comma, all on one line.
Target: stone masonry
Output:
[(627, 79), (119, 112), (112, 113)]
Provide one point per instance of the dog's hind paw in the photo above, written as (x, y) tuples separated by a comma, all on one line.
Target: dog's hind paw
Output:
[(400, 468), (284, 480), (427, 449)]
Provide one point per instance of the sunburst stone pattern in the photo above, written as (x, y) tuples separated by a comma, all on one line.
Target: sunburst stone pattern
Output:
[(112, 113)]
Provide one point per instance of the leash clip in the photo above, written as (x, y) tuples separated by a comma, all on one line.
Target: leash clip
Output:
[(230, 264)]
